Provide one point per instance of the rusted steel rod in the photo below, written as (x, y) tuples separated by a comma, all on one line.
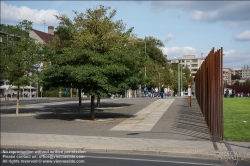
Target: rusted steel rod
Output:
[(209, 92)]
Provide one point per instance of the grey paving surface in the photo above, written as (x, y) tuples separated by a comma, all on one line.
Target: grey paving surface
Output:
[(177, 122), (110, 144), (180, 130), (145, 119)]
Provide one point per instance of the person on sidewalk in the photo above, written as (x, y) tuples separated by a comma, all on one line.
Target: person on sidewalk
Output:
[(165, 92), (152, 92), (145, 91), (156, 92), (162, 91)]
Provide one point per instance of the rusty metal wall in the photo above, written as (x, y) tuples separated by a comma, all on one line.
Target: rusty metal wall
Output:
[(209, 92)]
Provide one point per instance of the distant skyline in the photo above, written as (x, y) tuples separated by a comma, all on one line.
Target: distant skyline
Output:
[(185, 27)]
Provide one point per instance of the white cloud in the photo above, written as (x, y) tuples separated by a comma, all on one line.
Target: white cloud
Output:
[(236, 59), (172, 52), (229, 11), (169, 37), (244, 36), (13, 14), (200, 15), (230, 53)]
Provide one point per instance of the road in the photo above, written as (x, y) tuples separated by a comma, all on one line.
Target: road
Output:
[(100, 159)]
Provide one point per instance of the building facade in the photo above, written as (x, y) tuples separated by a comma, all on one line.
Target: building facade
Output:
[(227, 79), (245, 72), (189, 61)]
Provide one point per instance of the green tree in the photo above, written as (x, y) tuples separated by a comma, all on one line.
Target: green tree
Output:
[(153, 49), (237, 82), (186, 77), (94, 53), (157, 68), (235, 77), (20, 55), (174, 76)]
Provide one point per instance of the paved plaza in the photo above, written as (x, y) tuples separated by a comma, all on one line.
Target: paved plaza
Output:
[(142, 125)]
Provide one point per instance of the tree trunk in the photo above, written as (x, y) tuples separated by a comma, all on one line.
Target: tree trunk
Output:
[(92, 111), (98, 102), (17, 100), (80, 100)]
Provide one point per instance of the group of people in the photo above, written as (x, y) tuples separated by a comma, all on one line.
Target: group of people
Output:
[(234, 94), (155, 92)]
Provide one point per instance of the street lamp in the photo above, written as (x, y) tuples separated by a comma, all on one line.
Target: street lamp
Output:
[(145, 60), (145, 69), (181, 82), (159, 73), (179, 68)]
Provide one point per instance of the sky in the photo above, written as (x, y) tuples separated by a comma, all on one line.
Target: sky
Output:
[(185, 27)]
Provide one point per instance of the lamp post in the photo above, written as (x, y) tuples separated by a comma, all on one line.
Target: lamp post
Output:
[(181, 82), (145, 69), (159, 74), (145, 60), (178, 93), (178, 79), (179, 75)]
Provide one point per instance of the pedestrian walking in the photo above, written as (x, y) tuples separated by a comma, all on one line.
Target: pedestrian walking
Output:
[(233, 93), (152, 92), (156, 92), (162, 91), (165, 92), (227, 93), (145, 91)]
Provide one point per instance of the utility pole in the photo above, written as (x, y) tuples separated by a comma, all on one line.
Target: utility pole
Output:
[(145, 60), (181, 79), (178, 79)]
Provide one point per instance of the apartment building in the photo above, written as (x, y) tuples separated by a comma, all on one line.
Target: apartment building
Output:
[(227, 72), (245, 72), (189, 61)]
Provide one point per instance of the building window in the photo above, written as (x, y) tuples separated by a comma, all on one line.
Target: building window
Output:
[(194, 65)]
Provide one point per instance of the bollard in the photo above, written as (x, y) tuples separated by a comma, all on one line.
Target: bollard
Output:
[(189, 93)]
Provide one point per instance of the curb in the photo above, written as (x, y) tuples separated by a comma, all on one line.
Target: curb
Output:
[(122, 151)]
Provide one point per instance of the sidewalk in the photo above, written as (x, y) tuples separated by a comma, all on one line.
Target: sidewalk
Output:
[(201, 149), (150, 120)]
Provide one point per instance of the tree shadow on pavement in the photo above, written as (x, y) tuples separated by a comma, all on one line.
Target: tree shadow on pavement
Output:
[(106, 111), (99, 114), (62, 108)]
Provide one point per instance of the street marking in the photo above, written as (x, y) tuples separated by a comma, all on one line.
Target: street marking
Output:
[(145, 119), (159, 161)]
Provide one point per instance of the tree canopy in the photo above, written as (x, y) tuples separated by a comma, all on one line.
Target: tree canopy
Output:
[(20, 55), (93, 52)]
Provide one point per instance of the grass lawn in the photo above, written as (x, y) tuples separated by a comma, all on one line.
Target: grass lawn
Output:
[(237, 119)]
